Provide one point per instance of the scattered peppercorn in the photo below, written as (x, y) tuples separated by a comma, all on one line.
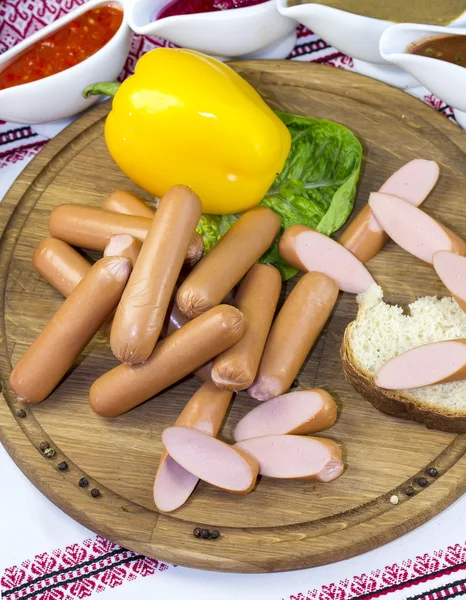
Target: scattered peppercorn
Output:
[(49, 452), (422, 481), (95, 493), (204, 534), (21, 413), (409, 491), (63, 466), (394, 499), (43, 446), (432, 472), (295, 383), (197, 532), (214, 535), (83, 482)]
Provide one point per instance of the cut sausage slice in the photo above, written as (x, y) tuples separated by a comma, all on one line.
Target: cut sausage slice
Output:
[(60, 265), (127, 203), (439, 362), (451, 268), (204, 412), (69, 331), (211, 460), (295, 457), (123, 245), (141, 312), (364, 237), (90, 227), (412, 229), (257, 298), (301, 412), (176, 356), (309, 250), (294, 332), (228, 261)]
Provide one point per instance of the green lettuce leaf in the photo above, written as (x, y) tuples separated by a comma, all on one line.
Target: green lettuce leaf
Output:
[(316, 188)]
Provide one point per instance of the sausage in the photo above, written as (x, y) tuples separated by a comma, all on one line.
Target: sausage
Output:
[(90, 227), (127, 203), (308, 250), (204, 412), (69, 331), (294, 332), (257, 298), (364, 236), (60, 265), (211, 460), (123, 245), (412, 229), (174, 357), (228, 261), (439, 362), (301, 412), (451, 268), (295, 457), (140, 315)]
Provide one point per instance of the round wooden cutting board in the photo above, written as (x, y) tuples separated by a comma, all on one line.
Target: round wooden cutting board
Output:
[(281, 525)]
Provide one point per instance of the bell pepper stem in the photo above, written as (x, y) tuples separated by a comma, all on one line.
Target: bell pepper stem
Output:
[(101, 89)]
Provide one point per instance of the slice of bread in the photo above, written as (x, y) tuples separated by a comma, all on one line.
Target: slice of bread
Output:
[(382, 331)]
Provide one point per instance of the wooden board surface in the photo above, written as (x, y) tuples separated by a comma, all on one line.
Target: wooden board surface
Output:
[(283, 524)]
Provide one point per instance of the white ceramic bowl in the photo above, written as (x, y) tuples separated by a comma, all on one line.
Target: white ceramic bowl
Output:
[(351, 34), (257, 31), (60, 95), (444, 79)]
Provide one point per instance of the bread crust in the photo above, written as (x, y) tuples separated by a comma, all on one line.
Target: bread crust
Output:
[(395, 403)]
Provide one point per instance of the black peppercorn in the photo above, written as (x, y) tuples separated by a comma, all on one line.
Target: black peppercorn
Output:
[(197, 532), (295, 383), (214, 535), (83, 482), (95, 493), (409, 491), (432, 472), (422, 481), (63, 466), (204, 534), (21, 413), (43, 446)]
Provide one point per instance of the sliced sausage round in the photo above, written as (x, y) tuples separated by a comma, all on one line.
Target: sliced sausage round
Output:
[(295, 456), (412, 229), (438, 362), (309, 250), (302, 412), (211, 460)]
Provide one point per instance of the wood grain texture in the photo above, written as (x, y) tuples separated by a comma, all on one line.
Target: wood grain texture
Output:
[(281, 525)]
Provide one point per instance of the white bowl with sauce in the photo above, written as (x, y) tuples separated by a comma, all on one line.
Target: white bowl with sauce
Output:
[(59, 96), (445, 79), (258, 31), (350, 33)]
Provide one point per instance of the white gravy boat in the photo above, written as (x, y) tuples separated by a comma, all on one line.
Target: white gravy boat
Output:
[(60, 96), (351, 34), (258, 31), (444, 79)]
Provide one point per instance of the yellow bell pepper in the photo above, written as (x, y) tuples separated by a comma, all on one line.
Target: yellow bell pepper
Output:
[(186, 118)]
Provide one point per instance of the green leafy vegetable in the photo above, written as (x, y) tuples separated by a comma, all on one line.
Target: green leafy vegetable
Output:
[(316, 188)]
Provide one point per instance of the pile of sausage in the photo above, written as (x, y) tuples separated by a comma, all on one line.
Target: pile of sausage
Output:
[(168, 310)]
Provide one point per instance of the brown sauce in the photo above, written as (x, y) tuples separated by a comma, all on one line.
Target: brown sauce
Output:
[(432, 12), (451, 48)]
